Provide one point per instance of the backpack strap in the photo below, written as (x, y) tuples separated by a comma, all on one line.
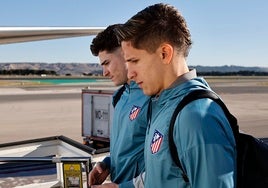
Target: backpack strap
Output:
[(118, 94), (194, 95)]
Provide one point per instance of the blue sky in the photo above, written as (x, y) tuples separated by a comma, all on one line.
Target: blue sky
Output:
[(226, 32)]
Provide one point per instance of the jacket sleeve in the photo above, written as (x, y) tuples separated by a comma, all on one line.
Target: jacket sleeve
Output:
[(137, 182), (107, 162)]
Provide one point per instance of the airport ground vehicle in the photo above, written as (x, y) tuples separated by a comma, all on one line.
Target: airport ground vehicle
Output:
[(97, 113)]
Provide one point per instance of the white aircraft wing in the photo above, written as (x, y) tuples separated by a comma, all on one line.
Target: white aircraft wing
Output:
[(26, 34)]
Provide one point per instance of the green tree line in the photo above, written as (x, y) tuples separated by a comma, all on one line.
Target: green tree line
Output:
[(25, 72), (238, 73)]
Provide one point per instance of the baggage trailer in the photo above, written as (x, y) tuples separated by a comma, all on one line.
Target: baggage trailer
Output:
[(97, 114)]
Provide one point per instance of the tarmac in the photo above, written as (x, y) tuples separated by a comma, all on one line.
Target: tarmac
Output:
[(36, 112)]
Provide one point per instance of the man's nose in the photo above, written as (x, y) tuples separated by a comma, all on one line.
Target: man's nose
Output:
[(131, 74), (105, 72)]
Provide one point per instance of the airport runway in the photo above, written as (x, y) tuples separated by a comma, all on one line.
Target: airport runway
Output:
[(46, 111), (49, 111), (34, 112)]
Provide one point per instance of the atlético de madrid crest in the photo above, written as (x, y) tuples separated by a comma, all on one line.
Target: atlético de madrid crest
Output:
[(156, 141), (134, 112)]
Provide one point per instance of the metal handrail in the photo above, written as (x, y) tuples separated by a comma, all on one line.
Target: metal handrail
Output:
[(49, 159), (45, 159)]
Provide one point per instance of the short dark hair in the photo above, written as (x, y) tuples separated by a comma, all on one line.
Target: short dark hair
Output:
[(105, 40), (156, 24)]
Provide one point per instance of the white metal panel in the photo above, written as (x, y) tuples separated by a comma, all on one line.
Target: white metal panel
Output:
[(97, 113)]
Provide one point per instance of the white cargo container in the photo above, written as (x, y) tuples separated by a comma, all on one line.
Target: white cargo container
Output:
[(97, 114)]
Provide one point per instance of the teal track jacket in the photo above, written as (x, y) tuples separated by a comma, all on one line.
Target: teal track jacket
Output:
[(203, 138), (128, 133)]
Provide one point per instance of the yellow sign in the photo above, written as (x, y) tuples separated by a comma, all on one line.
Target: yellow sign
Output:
[(72, 175)]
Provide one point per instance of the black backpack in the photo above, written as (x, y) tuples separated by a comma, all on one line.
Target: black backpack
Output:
[(252, 153)]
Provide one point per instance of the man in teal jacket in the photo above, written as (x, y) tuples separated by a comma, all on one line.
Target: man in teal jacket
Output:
[(156, 43), (128, 130)]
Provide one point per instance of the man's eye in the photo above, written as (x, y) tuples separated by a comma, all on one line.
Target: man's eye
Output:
[(134, 61), (105, 63)]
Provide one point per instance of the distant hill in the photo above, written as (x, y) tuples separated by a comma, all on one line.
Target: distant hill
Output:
[(227, 68), (96, 69), (230, 71), (59, 68)]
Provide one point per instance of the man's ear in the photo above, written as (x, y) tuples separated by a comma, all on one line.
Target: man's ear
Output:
[(166, 51)]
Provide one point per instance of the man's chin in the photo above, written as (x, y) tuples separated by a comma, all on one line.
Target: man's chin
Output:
[(146, 92), (118, 83)]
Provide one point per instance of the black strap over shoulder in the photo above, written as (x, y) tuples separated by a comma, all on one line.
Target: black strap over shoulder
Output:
[(194, 95), (118, 95)]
